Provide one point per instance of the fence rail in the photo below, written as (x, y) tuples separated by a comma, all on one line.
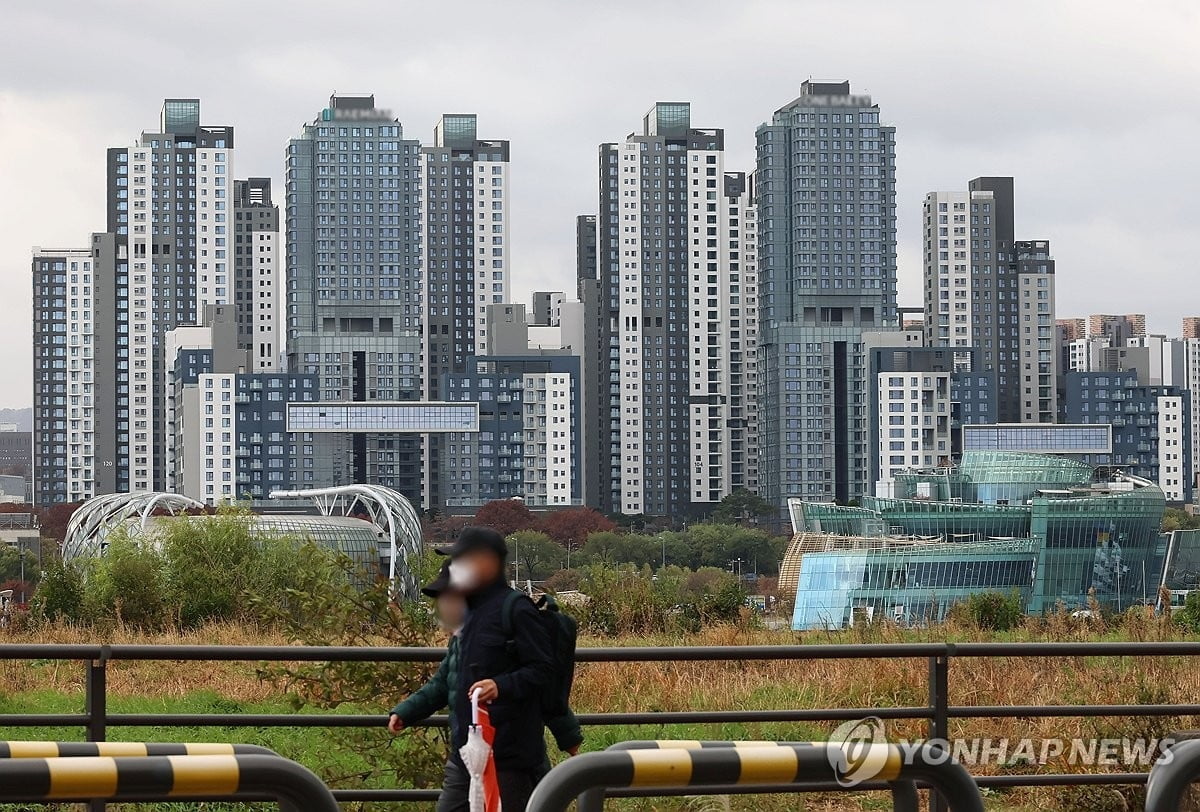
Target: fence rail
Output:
[(938, 712)]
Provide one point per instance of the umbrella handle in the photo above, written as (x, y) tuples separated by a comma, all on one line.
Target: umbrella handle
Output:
[(475, 707)]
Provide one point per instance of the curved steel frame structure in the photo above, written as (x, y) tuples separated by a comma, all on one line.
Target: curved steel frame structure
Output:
[(92, 521), (389, 511)]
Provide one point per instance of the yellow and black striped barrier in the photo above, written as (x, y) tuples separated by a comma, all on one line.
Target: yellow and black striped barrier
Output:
[(904, 793), (1172, 775), (161, 778), (711, 768), (23, 749)]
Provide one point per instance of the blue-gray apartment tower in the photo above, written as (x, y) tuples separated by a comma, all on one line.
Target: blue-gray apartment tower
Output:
[(354, 275), (826, 186)]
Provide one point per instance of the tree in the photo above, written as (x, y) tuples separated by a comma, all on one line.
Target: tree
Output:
[(506, 516), (1176, 519), (537, 555), (572, 526), (54, 519), (442, 532), (741, 506)]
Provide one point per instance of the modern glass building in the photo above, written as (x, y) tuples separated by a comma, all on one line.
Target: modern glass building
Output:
[(1044, 526)]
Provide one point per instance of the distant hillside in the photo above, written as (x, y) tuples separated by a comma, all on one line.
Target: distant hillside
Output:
[(22, 417)]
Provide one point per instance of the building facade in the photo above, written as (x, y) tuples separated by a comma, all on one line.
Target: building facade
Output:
[(64, 376), (826, 197), (355, 276), (256, 279), (1045, 527), (677, 254), (1151, 427), (987, 290), (229, 438)]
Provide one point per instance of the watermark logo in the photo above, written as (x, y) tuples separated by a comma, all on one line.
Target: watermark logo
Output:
[(859, 752)]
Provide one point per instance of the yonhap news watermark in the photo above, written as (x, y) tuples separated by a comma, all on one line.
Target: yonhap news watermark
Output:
[(861, 751)]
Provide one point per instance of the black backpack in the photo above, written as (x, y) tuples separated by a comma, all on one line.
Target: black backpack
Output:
[(564, 631)]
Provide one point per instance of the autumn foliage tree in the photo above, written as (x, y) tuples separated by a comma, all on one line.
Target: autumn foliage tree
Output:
[(571, 527), (506, 516)]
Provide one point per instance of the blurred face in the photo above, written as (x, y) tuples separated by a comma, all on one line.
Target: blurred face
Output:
[(451, 609), (474, 569)]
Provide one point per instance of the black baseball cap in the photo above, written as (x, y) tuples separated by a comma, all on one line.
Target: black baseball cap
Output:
[(477, 538), (439, 584)]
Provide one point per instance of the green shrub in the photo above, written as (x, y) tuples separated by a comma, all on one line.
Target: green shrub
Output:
[(996, 611), (59, 595), (126, 584)]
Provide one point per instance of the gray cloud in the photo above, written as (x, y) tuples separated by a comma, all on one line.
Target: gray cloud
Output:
[(1090, 105)]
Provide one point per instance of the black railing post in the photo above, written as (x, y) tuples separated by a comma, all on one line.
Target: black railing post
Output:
[(96, 707), (939, 720)]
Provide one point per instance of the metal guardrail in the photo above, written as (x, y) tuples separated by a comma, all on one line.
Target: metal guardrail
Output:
[(788, 764), (904, 793), (96, 719), (162, 778)]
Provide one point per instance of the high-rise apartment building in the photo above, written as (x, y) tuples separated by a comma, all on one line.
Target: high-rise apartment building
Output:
[(547, 307), (64, 377), (676, 249), (165, 254), (1071, 329), (827, 271), (594, 370), (355, 274), (256, 283), (530, 398), (466, 257), (1191, 327), (986, 290), (229, 437), (1118, 328)]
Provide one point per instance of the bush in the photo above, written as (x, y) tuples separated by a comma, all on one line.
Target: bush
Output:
[(1188, 616), (59, 595), (627, 600), (995, 611), (193, 571), (126, 584)]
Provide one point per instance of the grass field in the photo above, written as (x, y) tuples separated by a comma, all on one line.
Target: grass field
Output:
[(52, 687)]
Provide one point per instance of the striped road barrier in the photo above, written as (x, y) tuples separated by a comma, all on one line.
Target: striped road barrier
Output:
[(1171, 776), (161, 778), (794, 764), (904, 793), (23, 749)]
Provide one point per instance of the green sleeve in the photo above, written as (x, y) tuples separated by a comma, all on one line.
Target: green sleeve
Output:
[(565, 730), (428, 699)]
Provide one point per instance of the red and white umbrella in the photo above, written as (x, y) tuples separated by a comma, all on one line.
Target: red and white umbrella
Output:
[(477, 757)]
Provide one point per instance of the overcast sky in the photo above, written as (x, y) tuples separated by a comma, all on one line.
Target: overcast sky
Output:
[(1092, 106)]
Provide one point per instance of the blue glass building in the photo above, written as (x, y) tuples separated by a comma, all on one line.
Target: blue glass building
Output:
[(1046, 527)]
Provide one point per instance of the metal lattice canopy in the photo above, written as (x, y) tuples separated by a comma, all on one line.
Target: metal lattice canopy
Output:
[(93, 520), (394, 515)]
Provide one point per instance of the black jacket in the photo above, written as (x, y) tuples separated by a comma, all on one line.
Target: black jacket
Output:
[(442, 690), (520, 677)]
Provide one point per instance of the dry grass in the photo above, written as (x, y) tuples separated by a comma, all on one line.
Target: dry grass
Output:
[(748, 685)]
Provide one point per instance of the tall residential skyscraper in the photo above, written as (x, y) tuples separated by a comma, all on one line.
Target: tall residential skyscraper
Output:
[(827, 272), (164, 256), (466, 257), (1191, 327), (354, 273), (594, 368), (677, 264), (64, 378), (988, 291), (256, 284)]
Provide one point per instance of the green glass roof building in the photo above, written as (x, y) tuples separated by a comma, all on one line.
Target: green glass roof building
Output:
[(1043, 526)]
